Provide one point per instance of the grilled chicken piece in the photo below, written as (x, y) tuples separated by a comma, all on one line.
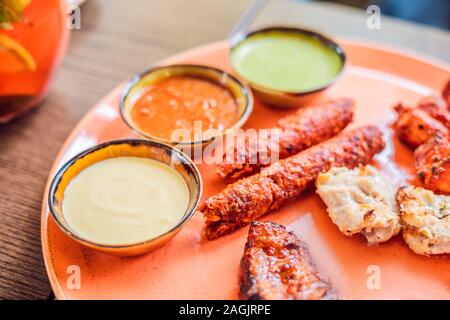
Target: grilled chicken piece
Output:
[(276, 266), (251, 197), (433, 164), (360, 201), (426, 220), (446, 94), (415, 126)]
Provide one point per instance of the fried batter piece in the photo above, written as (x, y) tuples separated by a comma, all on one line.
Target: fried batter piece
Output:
[(360, 201), (415, 126), (276, 266), (251, 197), (426, 220), (308, 126), (433, 164)]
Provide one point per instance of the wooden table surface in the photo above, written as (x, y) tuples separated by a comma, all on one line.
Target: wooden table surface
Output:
[(116, 40)]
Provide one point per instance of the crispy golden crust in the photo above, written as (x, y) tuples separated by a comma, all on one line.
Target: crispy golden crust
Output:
[(433, 164), (277, 266), (254, 196), (415, 126), (309, 126)]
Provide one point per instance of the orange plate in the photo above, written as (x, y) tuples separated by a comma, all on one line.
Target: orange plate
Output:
[(190, 268)]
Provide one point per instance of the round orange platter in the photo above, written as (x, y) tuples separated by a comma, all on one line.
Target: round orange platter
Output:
[(189, 267)]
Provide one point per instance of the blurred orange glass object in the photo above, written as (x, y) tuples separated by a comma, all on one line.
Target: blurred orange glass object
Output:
[(33, 40)]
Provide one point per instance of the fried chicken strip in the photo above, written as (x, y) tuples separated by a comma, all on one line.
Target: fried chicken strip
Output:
[(308, 126), (251, 197), (433, 164), (276, 266)]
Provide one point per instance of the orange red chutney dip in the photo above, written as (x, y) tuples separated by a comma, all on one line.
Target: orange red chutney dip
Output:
[(178, 102)]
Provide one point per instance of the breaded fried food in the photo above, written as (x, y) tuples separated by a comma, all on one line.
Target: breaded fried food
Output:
[(426, 220), (251, 197), (415, 126), (276, 266), (360, 201), (308, 126), (432, 161)]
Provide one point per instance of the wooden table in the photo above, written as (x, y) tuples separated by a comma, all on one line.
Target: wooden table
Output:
[(116, 40)]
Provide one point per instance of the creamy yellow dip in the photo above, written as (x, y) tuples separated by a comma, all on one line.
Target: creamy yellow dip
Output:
[(125, 200)]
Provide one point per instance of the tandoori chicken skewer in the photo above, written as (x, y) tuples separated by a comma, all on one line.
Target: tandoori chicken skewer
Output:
[(426, 128), (431, 117), (432, 161)]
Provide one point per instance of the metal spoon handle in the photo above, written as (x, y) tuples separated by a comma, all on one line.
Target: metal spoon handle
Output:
[(246, 19)]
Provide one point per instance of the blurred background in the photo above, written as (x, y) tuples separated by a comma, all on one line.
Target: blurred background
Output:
[(432, 12)]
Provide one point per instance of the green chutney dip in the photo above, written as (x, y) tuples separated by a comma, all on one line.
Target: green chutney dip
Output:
[(286, 61)]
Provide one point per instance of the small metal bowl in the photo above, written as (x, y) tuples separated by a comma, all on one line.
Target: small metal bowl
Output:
[(287, 99), (125, 148), (241, 93)]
